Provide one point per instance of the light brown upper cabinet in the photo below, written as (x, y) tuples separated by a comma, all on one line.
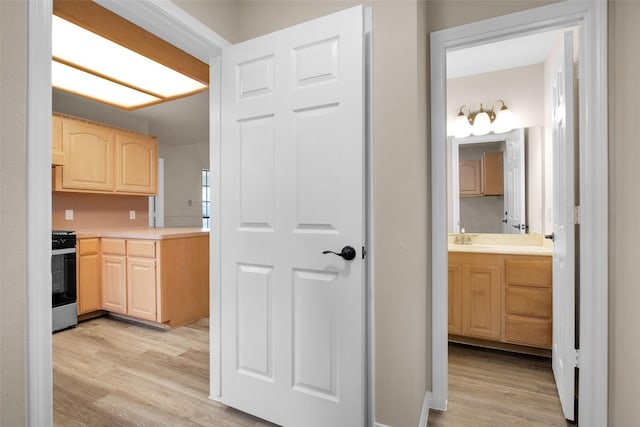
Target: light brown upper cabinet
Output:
[(482, 177), (492, 173), (470, 178), (104, 159), (57, 155), (136, 164)]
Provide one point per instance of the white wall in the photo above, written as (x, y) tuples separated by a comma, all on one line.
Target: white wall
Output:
[(183, 166)]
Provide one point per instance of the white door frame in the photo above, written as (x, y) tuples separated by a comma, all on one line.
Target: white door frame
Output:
[(173, 24), (591, 18)]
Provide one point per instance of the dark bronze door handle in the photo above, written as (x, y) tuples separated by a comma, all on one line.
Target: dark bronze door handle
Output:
[(348, 253)]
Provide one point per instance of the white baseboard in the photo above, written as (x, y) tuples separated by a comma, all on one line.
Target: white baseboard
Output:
[(424, 414), (426, 404)]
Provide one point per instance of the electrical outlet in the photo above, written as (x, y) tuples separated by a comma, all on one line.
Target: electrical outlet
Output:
[(68, 214), (132, 214)]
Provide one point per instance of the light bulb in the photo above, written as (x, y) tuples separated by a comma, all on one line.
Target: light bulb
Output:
[(482, 123), (504, 121), (461, 126)]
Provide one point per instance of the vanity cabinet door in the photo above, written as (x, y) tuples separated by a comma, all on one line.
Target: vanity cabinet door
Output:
[(455, 299), (481, 301), (470, 178)]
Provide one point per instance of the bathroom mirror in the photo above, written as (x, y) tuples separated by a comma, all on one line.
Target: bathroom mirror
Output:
[(495, 182)]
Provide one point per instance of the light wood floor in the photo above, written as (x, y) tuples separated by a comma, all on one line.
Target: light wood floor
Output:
[(111, 373), (495, 388)]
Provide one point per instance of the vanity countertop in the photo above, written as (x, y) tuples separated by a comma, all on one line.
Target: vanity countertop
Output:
[(515, 244)]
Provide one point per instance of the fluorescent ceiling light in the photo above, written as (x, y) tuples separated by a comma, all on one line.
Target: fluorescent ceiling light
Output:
[(94, 87), (92, 60)]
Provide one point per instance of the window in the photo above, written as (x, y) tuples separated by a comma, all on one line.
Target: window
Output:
[(206, 198)]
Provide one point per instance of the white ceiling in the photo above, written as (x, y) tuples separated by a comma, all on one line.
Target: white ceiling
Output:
[(510, 53)]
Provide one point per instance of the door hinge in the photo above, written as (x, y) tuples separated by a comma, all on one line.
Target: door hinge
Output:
[(577, 214), (576, 353), (364, 252)]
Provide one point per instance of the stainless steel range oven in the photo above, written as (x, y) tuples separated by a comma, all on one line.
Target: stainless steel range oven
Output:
[(63, 272)]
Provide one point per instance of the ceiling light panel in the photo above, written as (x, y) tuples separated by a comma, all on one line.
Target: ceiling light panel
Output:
[(86, 84), (75, 45)]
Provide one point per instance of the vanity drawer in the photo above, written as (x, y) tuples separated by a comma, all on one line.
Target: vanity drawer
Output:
[(528, 301), (529, 331), (528, 271)]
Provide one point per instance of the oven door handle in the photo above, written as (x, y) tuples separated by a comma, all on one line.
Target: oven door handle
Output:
[(63, 251)]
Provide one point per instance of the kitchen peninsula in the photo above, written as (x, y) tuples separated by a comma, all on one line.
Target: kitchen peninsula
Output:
[(158, 275)]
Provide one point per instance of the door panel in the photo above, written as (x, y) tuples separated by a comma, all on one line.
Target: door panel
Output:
[(563, 344), (292, 187)]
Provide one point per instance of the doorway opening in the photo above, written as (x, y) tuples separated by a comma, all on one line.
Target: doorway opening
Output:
[(589, 19)]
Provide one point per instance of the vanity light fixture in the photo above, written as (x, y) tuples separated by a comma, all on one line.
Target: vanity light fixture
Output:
[(483, 121), (101, 56)]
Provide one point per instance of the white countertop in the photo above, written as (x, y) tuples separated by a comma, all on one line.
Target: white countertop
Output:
[(515, 244), (146, 233)]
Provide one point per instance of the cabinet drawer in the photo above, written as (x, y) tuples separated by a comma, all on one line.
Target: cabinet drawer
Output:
[(530, 331), (113, 246), (88, 246), (529, 271), (529, 301), (141, 248)]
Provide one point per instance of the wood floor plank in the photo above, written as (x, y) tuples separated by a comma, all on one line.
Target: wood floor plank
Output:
[(112, 373), (492, 388)]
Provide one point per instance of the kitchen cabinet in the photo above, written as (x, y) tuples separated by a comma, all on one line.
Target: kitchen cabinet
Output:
[(114, 275), (104, 159), (528, 304), (141, 279), (470, 178), (501, 298), (129, 277), (57, 154), (492, 173), (137, 161), (89, 287), (483, 177)]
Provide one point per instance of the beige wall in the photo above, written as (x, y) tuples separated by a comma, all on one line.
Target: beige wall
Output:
[(12, 212), (624, 205), (95, 211), (522, 89)]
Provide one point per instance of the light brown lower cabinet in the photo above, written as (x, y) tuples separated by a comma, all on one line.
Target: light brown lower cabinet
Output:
[(163, 281), (89, 278), (502, 298)]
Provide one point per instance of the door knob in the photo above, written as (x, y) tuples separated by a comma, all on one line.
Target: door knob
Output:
[(550, 236), (348, 253)]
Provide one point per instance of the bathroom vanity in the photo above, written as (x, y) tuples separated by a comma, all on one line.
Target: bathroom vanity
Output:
[(500, 292)]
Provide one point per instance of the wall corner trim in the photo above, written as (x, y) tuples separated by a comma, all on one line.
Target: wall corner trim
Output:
[(426, 405)]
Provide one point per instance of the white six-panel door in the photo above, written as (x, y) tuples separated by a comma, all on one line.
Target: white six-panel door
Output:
[(293, 318), (563, 343), (514, 185)]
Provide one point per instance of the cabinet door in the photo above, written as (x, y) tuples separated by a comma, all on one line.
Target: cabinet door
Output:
[(114, 283), (89, 277), (455, 299), (57, 155), (136, 164), (88, 156), (141, 288), (492, 173), (470, 178), (481, 301)]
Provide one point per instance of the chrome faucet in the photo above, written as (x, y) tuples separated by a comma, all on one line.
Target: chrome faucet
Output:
[(462, 238)]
